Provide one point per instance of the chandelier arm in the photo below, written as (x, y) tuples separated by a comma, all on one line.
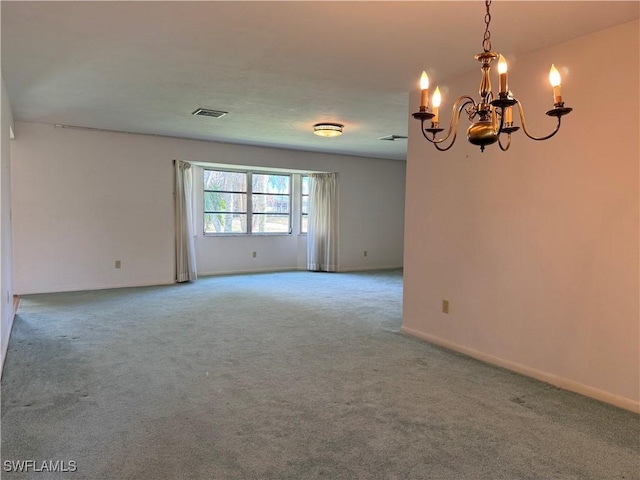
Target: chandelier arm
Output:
[(444, 149), (458, 106), (504, 149), (524, 125), (424, 132)]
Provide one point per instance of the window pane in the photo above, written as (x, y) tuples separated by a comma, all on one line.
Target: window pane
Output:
[(270, 223), (225, 223), (305, 205), (305, 185), (265, 183), (229, 181), (225, 202), (304, 224), (270, 203)]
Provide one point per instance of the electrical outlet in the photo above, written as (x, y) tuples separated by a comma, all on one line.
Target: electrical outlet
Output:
[(255, 254), (118, 264), (445, 306), (366, 253)]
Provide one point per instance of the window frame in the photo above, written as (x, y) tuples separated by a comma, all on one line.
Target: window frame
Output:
[(249, 213)]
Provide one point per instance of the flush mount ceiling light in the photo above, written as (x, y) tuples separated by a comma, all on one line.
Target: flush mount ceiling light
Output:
[(328, 129), (491, 116)]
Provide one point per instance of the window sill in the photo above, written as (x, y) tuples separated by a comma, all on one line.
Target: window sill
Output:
[(248, 235)]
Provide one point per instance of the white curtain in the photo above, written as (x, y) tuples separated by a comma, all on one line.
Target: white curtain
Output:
[(322, 233), (185, 251)]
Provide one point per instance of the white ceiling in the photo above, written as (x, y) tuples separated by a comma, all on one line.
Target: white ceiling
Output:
[(276, 67)]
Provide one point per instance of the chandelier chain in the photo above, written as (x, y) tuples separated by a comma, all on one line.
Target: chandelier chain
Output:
[(486, 43)]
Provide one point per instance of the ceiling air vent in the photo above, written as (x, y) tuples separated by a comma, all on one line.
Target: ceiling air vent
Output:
[(205, 112), (393, 138)]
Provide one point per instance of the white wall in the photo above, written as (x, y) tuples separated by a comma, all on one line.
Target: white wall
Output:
[(83, 199), (537, 248), (6, 269)]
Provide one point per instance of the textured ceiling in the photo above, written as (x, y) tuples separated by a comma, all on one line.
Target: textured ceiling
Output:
[(276, 67)]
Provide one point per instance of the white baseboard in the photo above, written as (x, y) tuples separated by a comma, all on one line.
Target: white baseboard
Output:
[(6, 334), (370, 268), (561, 382), (91, 287), (293, 269), (5, 344), (252, 270)]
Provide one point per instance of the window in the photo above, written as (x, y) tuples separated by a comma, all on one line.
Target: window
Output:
[(246, 202), (304, 210), (225, 202), (271, 201)]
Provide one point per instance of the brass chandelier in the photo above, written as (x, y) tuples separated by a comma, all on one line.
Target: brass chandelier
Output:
[(490, 117)]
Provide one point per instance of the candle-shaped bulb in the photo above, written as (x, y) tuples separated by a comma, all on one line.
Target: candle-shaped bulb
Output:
[(554, 76), (435, 100), (508, 112), (502, 71), (424, 81), (502, 65), (555, 80), (508, 115), (424, 86)]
